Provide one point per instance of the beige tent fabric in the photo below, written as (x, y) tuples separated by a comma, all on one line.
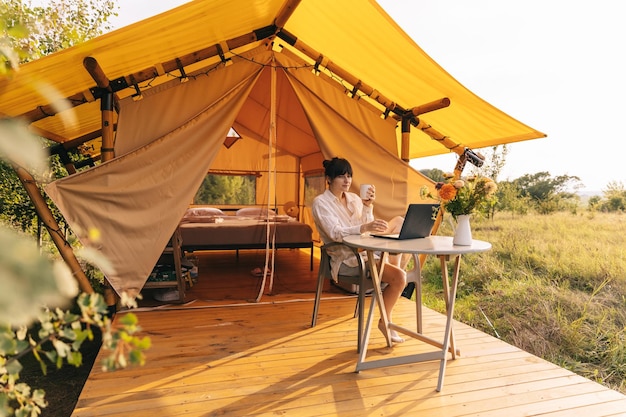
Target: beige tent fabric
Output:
[(347, 129), (137, 200), (170, 105)]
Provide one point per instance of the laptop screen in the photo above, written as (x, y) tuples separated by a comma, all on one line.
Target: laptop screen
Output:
[(418, 222)]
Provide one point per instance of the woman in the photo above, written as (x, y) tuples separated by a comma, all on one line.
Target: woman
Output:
[(338, 213)]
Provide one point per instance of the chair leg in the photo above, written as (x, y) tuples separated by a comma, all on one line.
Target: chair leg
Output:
[(318, 295), (360, 310)]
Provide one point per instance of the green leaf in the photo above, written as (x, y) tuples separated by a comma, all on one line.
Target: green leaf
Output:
[(144, 343), (8, 345), (51, 355), (129, 319), (39, 398), (14, 367), (75, 358), (137, 357)]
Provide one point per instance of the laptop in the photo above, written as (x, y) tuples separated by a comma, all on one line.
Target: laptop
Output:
[(418, 222)]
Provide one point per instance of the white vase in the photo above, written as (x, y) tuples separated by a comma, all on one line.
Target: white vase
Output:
[(463, 231)]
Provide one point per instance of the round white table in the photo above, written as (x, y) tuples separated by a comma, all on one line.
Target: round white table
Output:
[(439, 246)]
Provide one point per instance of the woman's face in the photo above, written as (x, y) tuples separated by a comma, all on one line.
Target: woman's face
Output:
[(341, 183)]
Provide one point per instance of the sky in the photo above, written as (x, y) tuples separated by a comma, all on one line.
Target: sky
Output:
[(555, 65)]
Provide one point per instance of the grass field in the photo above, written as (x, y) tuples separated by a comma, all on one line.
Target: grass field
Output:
[(553, 285)]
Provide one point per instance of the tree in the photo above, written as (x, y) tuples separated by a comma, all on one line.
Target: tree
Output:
[(494, 162), (36, 31), (226, 189), (614, 197), (27, 33), (510, 199), (548, 193), (434, 174)]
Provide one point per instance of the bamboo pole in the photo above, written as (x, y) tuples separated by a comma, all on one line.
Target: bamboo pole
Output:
[(406, 139), (285, 13), (44, 213), (107, 103), (107, 151), (379, 98), (410, 117), (441, 138), (428, 107)]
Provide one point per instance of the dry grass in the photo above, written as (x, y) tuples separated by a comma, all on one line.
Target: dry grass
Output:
[(554, 285)]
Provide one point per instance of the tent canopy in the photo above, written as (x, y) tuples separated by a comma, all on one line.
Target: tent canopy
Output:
[(356, 36), (299, 81)]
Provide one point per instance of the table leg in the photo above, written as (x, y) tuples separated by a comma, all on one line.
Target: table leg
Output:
[(417, 272), (376, 274), (376, 299), (365, 339), (446, 292), (448, 337)]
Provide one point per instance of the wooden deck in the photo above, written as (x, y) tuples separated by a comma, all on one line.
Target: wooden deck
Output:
[(225, 356)]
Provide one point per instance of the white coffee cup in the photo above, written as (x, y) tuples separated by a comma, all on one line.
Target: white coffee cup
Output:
[(364, 189)]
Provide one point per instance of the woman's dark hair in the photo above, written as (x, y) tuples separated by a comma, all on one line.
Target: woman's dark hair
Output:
[(336, 167)]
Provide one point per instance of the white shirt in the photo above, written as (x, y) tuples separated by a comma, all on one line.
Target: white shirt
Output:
[(334, 221)]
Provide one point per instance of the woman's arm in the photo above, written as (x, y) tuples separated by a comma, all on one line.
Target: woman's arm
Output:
[(331, 222)]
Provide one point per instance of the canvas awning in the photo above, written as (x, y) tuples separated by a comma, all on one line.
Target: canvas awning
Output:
[(354, 35)]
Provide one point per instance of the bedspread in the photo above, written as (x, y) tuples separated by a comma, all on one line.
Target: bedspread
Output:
[(234, 233)]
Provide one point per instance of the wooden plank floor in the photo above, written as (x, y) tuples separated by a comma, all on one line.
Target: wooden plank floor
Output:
[(245, 359)]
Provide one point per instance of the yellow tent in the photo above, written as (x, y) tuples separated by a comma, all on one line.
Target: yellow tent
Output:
[(299, 81)]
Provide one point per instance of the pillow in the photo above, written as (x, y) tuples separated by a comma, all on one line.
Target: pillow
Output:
[(203, 211), (255, 212)]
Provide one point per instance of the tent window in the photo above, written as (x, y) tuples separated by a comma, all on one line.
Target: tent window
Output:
[(227, 190), (313, 186)]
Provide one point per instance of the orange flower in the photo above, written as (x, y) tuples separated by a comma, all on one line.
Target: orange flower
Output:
[(490, 187), (447, 192)]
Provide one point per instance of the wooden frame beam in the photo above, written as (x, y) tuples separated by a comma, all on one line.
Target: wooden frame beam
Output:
[(44, 213), (285, 13), (41, 112)]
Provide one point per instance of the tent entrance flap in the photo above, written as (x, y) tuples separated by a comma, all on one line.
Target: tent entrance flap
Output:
[(137, 200)]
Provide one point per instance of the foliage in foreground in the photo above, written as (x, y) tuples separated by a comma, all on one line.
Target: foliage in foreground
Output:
[(553, 285), (35, 290)]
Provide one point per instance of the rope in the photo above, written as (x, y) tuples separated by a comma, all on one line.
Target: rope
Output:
[(272, 177)]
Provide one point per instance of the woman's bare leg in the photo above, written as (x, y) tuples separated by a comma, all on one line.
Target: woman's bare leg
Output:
[(396, 282)]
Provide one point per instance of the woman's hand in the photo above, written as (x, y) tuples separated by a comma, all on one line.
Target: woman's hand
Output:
[(377, 226), (371, 196)]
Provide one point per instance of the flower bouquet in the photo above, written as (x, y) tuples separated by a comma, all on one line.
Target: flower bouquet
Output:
[(462, 197)]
